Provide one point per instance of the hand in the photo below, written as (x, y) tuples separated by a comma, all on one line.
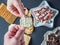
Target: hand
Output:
[(14, 36), (16, 7)]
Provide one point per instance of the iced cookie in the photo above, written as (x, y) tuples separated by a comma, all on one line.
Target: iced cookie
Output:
[(28, 24), (30, 29)]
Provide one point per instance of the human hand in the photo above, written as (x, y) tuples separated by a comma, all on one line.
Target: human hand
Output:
[(14, 36), (16, 7)]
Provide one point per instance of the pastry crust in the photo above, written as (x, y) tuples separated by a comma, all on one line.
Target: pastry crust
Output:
[(27, 39), (27, 12), (4, 13), (29, 30), (27, 22)]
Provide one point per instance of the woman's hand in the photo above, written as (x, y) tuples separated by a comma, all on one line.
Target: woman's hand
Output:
[(16, 7), (14, 36)]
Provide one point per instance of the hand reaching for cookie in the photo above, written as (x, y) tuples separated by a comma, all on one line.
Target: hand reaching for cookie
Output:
[(16, 7), (15, 35)]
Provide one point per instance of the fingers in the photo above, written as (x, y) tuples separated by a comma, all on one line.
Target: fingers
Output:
[(22, 5), (20, 32), (16, 8), (19, 8), (6, 36), (11, 27), (22, 41), (8, 33), (17, 31), (12, 30), (9, 5)]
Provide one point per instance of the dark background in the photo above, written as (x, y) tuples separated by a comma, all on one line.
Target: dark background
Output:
[(37, 35)]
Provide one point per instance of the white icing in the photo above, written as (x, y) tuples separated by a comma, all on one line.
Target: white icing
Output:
[(26, 22)]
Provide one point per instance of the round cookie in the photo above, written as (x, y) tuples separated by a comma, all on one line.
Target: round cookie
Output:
[(27, 22), (31, 28)]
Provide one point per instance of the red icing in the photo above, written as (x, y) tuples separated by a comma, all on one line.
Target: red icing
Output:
[(45, 11)]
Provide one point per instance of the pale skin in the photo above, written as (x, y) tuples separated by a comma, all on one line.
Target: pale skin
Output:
[(16, 7), (15, 35)]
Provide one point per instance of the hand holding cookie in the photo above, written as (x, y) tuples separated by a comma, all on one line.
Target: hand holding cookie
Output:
[(16, 7), (15, 35)]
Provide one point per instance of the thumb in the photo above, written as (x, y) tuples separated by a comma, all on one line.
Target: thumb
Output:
[(19, 8), (19, 32)]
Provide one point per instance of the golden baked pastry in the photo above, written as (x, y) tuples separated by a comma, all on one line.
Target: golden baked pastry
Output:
[(27, 39), (28, 24), (27, 12), (29, 30), (4, 13)]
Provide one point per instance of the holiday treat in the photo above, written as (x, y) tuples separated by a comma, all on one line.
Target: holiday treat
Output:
[(52, 37), (27, 39), (4, 13), (29, 14), (26, 11), (44, 15), (29, 30), (28, 24)]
